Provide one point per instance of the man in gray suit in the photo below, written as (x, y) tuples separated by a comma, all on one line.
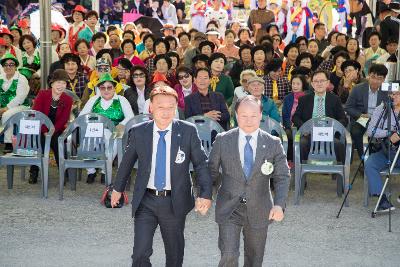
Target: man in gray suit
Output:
[(363, 100), (249, 158), (163, 194)]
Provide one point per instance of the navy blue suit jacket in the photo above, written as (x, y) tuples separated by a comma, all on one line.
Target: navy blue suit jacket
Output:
[(139, 148)]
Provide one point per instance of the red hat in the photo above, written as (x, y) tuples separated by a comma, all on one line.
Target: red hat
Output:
[(79, 8), (5, 30), (3, 42), (59, 28), (158, 77)]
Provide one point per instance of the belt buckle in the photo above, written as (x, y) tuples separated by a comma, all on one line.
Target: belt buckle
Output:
[(243, 200), (158, 193)]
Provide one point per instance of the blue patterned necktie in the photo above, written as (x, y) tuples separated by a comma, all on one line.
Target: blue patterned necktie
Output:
[(161, 158), (320, 107), (248, 158)]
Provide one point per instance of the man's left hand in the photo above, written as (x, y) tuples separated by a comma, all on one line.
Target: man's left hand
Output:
[(202, 205), (276, 213)]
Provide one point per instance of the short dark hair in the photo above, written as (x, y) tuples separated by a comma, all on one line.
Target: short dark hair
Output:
[(304, 56), (207, 43), (99, 35), (141, 68), (358, 45), (110, 29), (174, 54), (378, 69), (392, 40), (128, 41), (80, 41), (256, 48), (302, 79), (215, 56), (341, 34), (342, 54), (244, 30), (268, 48), (270, 26), (196, 73), (301, 38), (318, 25), (149, 35), (29, 38), (230, 31), (244, 47), (128, 32), (183, 69), (125, 63), (67, 57), (159, 41), (266, 38), (375, 33), (274, 65), (247, 99), (91, 13), (331, 34), (319, 72), (213, 22), (171, 38), (180, 35), (165, 57), (102, 52)]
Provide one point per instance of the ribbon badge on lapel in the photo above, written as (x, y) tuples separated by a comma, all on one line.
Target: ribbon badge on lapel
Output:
[(267, 168), (180, 156)]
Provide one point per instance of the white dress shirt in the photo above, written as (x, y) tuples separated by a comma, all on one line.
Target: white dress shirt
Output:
[(105, 104), (141, 101), (187, 91), (156, 137), (243, 141), (22, 89)]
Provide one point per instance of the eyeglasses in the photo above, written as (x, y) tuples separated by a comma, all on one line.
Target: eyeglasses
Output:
[(106, 88), (319, 81), (185, 76), (376, 77), (10, 65), (103, 69), (138, 75)]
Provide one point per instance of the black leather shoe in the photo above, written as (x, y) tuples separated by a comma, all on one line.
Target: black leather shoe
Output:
[(33, 176), (103, 178), (90, 178), (8, 148)]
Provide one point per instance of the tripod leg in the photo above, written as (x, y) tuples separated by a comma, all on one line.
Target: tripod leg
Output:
[(379, 199)]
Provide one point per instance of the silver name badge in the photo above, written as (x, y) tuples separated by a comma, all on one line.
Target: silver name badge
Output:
[(180, 156)]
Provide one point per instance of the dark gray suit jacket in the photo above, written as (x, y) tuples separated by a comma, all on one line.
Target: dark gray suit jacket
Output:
[(357, 102), (140, 144), (225, 154)]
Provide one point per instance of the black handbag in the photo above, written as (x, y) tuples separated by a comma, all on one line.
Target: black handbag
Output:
[(106, 198)]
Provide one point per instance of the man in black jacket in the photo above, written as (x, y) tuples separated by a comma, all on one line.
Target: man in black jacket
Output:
[(319, 104), (389, 27)]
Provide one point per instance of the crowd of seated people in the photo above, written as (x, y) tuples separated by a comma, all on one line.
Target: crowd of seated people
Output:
[(113, 73)]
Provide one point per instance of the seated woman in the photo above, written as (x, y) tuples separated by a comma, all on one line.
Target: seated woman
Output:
[(242, 90), (230, 50), (30, 58), (14, 89), (219, 81), (256, 87), (160, 46), (163, 63), (56, 105), (171, 75), (139, 90), (61, 50), (186, 86), (242, 64), (298, 85), (77, 81), (128, 47), (88, 62), (336, 75), (110, 105), (352, 76)]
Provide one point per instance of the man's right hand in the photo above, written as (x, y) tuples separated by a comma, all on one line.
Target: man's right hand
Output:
[(115, 197), (365, 115), (394, 138), (213, 114)]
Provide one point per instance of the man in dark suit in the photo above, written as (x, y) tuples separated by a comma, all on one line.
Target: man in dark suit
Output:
[(389, 27), (249, 158), (363, 100), (204, 102), (320, 103), (163, 189)]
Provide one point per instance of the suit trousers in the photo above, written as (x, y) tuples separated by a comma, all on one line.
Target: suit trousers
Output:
[(357, 132), (229, 240), (154, 211)]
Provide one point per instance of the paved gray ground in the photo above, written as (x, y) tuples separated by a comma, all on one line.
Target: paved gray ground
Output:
[(80, 232)]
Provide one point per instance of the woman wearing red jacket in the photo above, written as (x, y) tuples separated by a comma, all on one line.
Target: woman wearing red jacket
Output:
[(57, 105)]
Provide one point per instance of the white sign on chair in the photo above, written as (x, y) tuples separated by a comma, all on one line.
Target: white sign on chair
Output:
[(94, 129), (29, 127), (323, 134)]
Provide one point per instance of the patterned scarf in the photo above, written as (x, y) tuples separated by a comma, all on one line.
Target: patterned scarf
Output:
[(296, 96)]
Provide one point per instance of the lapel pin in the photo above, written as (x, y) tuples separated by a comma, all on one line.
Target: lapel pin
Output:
[(179, 135), (263, 146)]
